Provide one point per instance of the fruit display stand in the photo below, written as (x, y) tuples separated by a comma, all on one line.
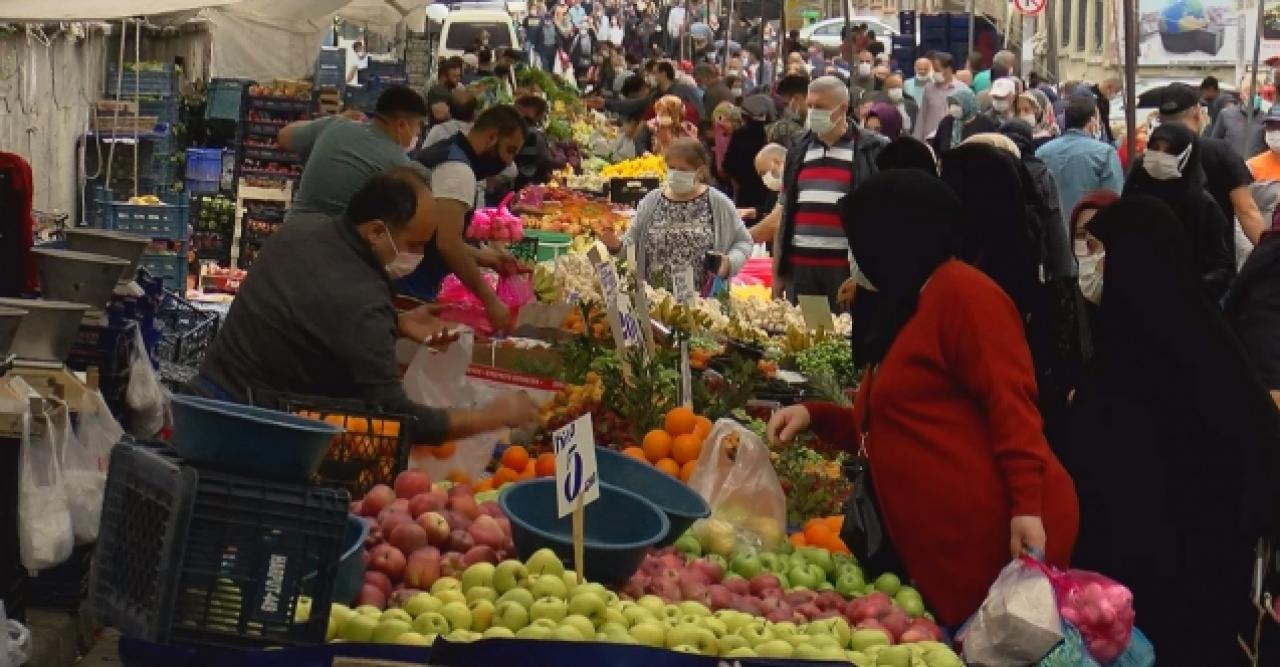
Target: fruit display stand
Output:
[(267, 109), (257, 194)]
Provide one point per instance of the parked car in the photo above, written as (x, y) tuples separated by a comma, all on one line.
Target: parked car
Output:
[(826, 33), (462, 26)]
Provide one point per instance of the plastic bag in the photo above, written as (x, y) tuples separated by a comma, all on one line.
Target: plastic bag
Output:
[(1099, 607), (84, 465), (462, 306), (1018, 623), (1071, 652), (146, 400), (15, 641), (45, 537), (439, 379), (736, 478)]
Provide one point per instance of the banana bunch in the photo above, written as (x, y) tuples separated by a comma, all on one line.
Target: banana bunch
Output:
[(544, 284), (645, 166), (145, 200)]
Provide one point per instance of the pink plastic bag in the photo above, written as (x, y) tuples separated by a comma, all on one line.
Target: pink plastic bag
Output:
[(1099, 607), (464, 307)]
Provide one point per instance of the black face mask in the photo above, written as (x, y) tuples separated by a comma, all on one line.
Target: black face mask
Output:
[(487, 165)]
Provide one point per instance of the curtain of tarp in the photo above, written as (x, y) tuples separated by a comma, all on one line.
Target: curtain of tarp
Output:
[(269, 39), (31, 11)]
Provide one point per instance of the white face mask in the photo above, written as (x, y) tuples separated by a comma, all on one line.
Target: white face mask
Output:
[(1030, 118), (895, 95), (1165, 167), (923, 78), (736, 92), (1091, 276), (1273, 140), (955, 111), (819, 121), (864, 69), (681, 182), (771, 181), (1000, 105), (939, 78), (403, 263)]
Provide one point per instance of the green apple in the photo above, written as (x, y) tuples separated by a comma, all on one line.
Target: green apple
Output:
[(742, 652), (412, 639), (451, 596), (803, 576), (611, 598), (445, 584), (888, 583), (613, 614), (756, 632), (860, 659), (548, 586), (637, 614), (685, 648), (358, 628), (775, 648), (732, 619), (653, 603), (818, 573), (589, 605), (481, 593), (431, 623), (369, 610), (482, 613), (835, 626), (691, 634), (521, 596), (715, 625), (583, 624), (498, 632), (458, 615), (570, 578), (480, 574), (820, 557), (821, 640), (773, 562), (511, 615), (694, 608), (826, 586), (649, 633), (550, 608), (746, 563), (861, 640), (806, 651), (331, 631), (569, 633), (849, 583), (545, 561), (341, 612), (592, 588), (783, 581), (727, 643), (671, 611), (389, 629), (509, 574), (894, 656), (611, 630), (718, 560), (785, 629), (422, 603), (546, 623), (396, 614), (534, 632), (796, 640), (688, 545)]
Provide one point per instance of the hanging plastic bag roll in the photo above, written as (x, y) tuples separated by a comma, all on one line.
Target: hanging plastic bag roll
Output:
[(45, 536), (146, 400)]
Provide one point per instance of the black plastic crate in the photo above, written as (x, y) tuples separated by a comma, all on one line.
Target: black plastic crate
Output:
[(185, 331), (196, 557), (107, 348), (372, 450), (63, 587)]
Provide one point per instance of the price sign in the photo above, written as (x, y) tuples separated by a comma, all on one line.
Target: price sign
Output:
[(1029, 7), (577, 483), (816, 311), (683, 286)]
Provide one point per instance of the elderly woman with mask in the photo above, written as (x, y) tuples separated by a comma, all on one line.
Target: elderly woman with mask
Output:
[(884, 119), (963, 121), (1030, 108), (667, 125)]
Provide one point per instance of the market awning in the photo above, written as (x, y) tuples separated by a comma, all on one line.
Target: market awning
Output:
[(26, 11)]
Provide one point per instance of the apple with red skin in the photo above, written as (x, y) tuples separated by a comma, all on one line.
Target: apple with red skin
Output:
[(828, 613), (797, 598), (748, 605), (457, 520), (486, 531), (692, 590), (408, 537), (928, 627), (389, 561), (666, 589), (491, 508), (377, 499), (505, 524), (392, 521), (460, 490), (451, 565), (411, 483), (737, 586), (423, 503), (436, 528), (423, 568), (780, 615), (764, 581), (354, 507), (460, 541), (809, 610), (401, 595), (830, 600), (372, 595), (719, 597), (480, 554), (465, 505), (896, 622), (379, 580), (772, 603), (712, 572)]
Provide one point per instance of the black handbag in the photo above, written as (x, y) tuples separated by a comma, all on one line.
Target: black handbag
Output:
[(863, 530)]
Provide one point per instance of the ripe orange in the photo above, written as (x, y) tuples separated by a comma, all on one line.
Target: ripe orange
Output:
[(680, 421), (835, 523), (504, 475), (458, 477), (668, 466), (817, 533), (685, 448), (797, 540), (657, 445), (485, 484), (445, 450), (636, 453), (516, 457), (686, 470), (545, 466), (701, 428), (530, 469)]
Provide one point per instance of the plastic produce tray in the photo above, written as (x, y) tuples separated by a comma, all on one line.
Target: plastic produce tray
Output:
[(279, 104), (270, 154), (199, 558), (170, 267), (160, 221), (186, 331), (107, 348), (161, 83)]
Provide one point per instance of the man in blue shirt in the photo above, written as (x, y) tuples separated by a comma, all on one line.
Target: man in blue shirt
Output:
[(1079, 161)]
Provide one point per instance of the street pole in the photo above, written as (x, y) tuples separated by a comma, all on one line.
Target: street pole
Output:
[(847, 6), (966, 53), (728, 32), (1130, 76), (1253, 77)]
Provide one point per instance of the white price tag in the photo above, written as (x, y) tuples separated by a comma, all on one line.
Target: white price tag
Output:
[(816, 311), (575, 451), (683, 287)]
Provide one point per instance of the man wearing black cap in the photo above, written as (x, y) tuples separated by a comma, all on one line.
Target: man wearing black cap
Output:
[(1228, 176)]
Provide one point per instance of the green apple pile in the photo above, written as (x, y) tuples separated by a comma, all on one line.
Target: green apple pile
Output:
[(539, 599)]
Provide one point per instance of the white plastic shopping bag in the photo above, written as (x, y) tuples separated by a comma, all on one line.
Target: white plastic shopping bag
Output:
[(84, 465), (45, 536), (146, 400), (1018, 623)]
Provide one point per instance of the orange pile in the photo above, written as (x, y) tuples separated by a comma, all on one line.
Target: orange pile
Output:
[(516, 464), (675, 447), (821, 532)]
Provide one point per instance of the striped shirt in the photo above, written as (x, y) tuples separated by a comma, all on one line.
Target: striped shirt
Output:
[(824, 177)]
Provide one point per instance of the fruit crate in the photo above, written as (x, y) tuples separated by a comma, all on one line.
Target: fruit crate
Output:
[(107, 348), (201, 558), (271, 154), (185, 331), (169, 267), (263, 128), (373, 449), (285, 104), (157, 221), (162, 82)]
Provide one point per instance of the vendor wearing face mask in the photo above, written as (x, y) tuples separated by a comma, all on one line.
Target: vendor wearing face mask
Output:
[(317, 317), (914, 87), (769, 163), (1266, 165), (1003, 91), (676, 226), (862, 80), (342, 153), (894, 94), (934, 106), (811, 253)]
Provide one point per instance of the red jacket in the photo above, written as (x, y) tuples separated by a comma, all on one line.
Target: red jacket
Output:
[(956, 445), (17, 268)]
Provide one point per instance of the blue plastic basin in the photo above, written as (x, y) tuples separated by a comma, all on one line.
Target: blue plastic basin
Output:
[(247, 439), (349, 575), (618, 528), (681, 505)]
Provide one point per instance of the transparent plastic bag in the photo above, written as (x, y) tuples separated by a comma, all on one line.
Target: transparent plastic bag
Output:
[(1018, 623), (439, 379), (736, 478), (45, 536), (146, 400), (84, 465)]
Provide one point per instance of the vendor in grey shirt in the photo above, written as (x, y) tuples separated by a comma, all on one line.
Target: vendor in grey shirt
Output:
[(332, 332), (340, 155)]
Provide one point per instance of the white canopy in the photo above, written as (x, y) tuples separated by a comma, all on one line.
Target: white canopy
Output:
[(32, 11)]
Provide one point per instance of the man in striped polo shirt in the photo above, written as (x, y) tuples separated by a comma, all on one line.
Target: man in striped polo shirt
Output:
[(811, 253)]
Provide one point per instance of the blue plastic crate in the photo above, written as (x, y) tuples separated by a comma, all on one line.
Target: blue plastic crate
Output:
[(162, 83), (165, 110), (224, 99), (204, 164), (170, 267), (161, 221), (202, 187)]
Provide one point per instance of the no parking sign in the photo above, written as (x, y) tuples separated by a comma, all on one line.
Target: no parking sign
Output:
[(1029, 7)]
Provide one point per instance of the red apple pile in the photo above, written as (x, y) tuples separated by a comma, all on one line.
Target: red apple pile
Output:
[(419, 533)]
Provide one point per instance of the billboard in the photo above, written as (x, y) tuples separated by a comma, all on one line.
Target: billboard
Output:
[(1186, 32)]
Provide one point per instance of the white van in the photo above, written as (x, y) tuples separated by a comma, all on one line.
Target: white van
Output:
[(464, 24)]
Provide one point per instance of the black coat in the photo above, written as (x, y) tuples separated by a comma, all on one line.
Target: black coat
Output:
[(1253, 308)]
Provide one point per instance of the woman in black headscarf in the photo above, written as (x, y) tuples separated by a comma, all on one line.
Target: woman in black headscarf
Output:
[(907, 152), (1172, 441), (1170, 171)]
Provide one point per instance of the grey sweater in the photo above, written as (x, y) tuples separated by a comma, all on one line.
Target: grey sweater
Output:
[(731, 236), (315, 318)]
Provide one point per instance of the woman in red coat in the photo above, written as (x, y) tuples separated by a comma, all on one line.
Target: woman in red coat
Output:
[(960, 468)]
